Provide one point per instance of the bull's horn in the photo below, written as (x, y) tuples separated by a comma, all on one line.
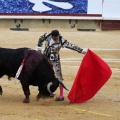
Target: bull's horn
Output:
[(62, 84), (48, 87)]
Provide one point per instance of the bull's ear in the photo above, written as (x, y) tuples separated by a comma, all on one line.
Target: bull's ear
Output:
[(62, 84)]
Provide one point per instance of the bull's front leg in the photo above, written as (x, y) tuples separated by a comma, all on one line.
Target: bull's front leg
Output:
[(39, 95), (26, 90)]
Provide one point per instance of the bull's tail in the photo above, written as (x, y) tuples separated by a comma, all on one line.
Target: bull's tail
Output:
[(1, 91)]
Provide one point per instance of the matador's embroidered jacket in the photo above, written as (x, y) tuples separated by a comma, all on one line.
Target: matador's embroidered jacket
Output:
[(52, 47)]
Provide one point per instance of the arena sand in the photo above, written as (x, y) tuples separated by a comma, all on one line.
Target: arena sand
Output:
[(105, 105)]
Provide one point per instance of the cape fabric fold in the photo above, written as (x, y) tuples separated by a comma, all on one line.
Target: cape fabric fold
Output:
[(92, 75)]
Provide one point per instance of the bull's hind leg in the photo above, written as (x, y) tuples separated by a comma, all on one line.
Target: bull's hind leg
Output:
[(1, 91)]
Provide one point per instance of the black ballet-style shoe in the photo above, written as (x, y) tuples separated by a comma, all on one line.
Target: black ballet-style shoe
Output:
[(59, 99)]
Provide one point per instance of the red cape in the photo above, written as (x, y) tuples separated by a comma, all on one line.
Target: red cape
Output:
[(92, 75)]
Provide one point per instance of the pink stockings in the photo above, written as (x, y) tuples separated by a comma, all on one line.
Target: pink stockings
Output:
[(61, 92)]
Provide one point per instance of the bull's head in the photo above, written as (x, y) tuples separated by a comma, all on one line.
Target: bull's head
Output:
[(48, 81), (50, 87)]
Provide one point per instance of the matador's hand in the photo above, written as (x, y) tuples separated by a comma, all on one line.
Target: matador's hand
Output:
[(84, 51)]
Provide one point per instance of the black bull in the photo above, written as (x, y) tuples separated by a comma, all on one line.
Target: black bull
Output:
[(36, 71)]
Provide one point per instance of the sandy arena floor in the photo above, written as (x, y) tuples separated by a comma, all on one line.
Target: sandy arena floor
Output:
[(105, 105)]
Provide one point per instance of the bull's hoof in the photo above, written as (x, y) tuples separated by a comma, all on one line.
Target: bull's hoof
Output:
[(0, 93), (52, 95), (26, 101)]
